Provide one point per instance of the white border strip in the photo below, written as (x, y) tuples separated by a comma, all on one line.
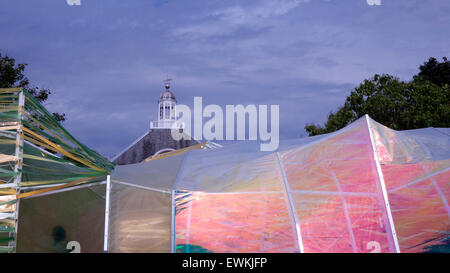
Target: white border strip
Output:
[(18, 167), (63, 190), (108, 190), (383, 186), (291, 203)]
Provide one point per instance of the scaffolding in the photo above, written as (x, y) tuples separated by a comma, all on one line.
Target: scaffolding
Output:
[(37, 156)]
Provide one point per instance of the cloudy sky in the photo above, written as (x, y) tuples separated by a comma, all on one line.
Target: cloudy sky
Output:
[(106, 60)]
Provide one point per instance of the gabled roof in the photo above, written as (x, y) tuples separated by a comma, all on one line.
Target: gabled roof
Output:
[(148, 145)]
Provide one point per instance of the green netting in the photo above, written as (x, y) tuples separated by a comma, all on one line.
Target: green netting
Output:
[(35, 150), (41, 121), (49, 154), (40, 167)]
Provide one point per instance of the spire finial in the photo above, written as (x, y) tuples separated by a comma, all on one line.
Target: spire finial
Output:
[(167, 81)]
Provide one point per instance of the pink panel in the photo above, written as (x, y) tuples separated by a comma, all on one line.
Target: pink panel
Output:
[(337, 194), (369, 229), (397, 175), (237, 223), (419, 207), (443, 182), (322, 223)]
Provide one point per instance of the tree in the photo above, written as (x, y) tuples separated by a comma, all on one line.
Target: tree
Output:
[(422, 102), (12, 75), (436, 72)]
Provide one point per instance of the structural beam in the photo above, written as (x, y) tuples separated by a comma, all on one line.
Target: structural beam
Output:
[(291, 205), (383, 186), (18, 167), (107, 206)]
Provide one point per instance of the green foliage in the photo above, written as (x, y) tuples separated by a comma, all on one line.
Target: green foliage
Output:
[(12, 75), (422, 102), (436, 72)]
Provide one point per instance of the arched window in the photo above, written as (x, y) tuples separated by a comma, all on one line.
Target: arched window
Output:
[(167, 112)]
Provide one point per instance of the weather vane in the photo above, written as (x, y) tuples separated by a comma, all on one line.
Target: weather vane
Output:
[(167, 81)]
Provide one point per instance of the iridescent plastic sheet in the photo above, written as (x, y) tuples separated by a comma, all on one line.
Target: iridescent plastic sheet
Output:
[(140, 220), (243, 198), (49, 222), (337, 193), (140, 216), (416, 168), (364, 188)]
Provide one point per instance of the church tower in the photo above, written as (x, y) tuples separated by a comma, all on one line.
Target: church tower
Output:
[(159, 138), (166, 110)]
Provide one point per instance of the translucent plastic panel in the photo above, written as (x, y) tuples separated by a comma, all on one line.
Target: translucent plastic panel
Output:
[(156, 174), (236, 222), (410, 146), (370, 229), (402, 175), (140, 220), (337, 193), (231, 170), (416, 171), (48, 223), (419, 202), (235, 199), (309, 168)]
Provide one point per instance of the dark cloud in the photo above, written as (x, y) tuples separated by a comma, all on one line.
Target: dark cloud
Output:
[(105, 60)]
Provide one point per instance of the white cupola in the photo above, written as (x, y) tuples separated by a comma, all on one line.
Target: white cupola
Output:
[(166, 109)]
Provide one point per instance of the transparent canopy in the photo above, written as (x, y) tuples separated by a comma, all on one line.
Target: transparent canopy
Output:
[(364, 188)]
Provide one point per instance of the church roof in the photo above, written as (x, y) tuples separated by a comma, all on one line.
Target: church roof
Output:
[(167, 95), (149, 144)]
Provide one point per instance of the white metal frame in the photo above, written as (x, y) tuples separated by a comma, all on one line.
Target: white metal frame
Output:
[(172, 225), (174, 205), (291, 204), (18, 167), (383, 186), (107, 207)]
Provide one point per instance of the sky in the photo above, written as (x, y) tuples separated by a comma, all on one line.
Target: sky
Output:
[(105, 60)]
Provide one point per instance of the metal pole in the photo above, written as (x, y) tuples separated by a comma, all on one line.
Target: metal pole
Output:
[(172, 231), (107, 205), (383, 187), (173, 245), (18, 166), (291, 204)]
